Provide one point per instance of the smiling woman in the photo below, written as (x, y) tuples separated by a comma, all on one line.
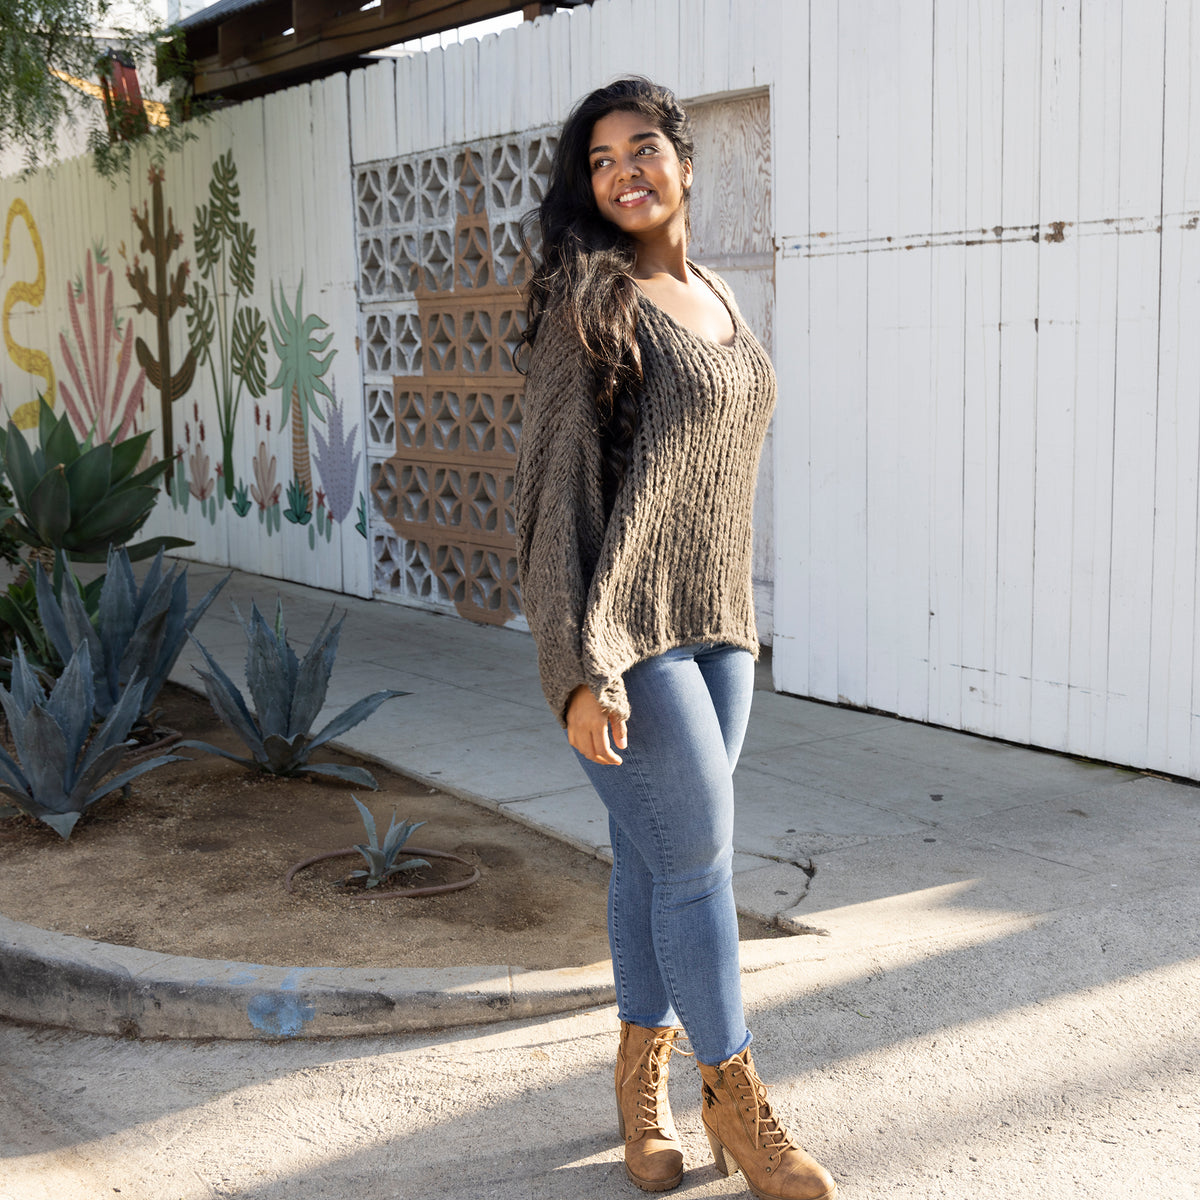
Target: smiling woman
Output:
[(644, 415)]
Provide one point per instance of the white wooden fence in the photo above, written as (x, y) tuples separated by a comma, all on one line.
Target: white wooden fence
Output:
[(989, 262), (983, 220)]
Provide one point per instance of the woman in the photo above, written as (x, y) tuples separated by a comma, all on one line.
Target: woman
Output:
[(646, 405)]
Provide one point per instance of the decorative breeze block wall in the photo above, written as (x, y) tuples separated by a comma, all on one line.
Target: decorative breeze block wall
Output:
[(440, 268)]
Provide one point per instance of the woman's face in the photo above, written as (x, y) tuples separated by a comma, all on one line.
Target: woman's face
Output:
[(637, 178)]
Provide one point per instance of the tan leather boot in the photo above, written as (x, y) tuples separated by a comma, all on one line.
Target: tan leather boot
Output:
[(744, 1132), (653, 1155)]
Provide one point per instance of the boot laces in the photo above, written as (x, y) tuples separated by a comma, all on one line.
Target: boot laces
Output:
[(769, 1134), (652, 1078)]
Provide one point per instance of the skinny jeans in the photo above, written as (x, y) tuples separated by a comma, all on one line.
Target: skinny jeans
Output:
[(672, 924)]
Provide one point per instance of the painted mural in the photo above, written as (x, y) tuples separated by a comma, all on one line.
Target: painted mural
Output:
[(189, 340), (228, 345), (100, 389), (30, 292), (161, 297)]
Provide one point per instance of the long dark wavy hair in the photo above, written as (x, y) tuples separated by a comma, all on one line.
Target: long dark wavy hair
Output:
[(584, 264)]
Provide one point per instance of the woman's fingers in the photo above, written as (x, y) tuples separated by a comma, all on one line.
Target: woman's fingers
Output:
[(605, 753), (620, 732), (588, 728)]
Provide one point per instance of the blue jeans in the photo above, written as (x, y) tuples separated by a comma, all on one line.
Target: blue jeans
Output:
[(672, 924)]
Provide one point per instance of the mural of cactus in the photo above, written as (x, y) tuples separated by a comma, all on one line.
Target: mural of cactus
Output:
[(337, 461), (161, 298), (101, 396), (226, 331), (299, 380)]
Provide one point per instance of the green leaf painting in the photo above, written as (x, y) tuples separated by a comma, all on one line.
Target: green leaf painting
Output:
[(226, 331), (300, 376)]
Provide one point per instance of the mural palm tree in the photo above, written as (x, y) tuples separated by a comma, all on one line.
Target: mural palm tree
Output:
[(299, 380)]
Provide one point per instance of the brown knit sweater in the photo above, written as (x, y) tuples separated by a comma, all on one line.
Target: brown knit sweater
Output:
[(672, 564)]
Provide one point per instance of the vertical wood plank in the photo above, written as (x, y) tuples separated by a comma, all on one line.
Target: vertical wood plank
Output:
[(792, 448), (911, 155), (1173, 596), (949, 161), (885, 444), (664, 44), (1099, 156), (1017, 379), (850, 398), (1134, 466), (826, 353), (1057, 342)]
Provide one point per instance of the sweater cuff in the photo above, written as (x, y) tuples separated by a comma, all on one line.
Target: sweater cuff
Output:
[(610, 693), (612, 697)]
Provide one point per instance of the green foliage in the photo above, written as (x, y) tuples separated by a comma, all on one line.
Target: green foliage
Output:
[(227, 333), (381, 860), (10, 548), (74, 496), (361, 523), (35, 39), (297, 511), (288, 693), (20, 619), (59, 771), (135, 632), (43, 42), (241, 499), (298, 346)]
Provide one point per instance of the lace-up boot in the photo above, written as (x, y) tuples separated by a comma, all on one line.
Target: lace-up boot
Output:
[(653, 1156), (745, 1133)]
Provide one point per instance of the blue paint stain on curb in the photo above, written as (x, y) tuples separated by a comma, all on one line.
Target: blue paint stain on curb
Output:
[(278, 1014)]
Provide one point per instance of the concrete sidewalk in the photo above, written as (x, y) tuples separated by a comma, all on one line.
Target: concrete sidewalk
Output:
[(1005, 1004)]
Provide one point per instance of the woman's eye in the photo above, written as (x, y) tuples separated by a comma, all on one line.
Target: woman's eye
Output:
[(597, 163), (647, 149)]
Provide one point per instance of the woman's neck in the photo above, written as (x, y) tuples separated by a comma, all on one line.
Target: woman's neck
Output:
[(665, 255)]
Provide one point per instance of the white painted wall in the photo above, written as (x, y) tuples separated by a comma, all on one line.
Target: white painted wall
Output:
[(987, 489)]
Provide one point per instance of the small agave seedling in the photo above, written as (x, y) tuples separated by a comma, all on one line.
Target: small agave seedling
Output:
[(58, 772), (381, 864), (288, 694), (136, 632)]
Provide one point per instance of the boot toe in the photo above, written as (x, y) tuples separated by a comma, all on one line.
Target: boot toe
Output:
[(654, 1165)]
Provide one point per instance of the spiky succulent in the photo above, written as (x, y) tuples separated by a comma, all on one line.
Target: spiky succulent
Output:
[(58, 772), (381, 860), (76, 496), (136, 632), (287, 693)]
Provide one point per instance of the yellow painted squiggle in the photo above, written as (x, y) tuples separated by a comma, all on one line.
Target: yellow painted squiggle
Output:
[(36, 362)]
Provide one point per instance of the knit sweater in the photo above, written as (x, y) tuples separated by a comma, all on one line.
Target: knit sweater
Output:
[(671, 565)]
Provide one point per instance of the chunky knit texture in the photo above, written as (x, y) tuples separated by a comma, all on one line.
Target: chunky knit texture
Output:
[(671, 565)]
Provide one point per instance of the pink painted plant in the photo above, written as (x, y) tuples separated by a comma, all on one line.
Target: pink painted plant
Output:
[(100, 392)]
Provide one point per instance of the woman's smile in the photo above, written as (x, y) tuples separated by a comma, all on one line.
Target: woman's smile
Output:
[(638, 181)]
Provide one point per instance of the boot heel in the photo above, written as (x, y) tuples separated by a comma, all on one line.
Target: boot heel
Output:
[(720, 1160)]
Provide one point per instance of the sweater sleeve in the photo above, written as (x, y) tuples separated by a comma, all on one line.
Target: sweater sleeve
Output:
[(559, 511)]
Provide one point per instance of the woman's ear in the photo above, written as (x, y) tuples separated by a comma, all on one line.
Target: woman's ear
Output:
[(686, 172)]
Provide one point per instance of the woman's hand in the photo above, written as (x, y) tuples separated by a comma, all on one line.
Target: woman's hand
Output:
[(588, 728)]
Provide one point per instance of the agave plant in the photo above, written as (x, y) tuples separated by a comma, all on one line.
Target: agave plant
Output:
[(10, 548), (59, 772), (381, 860), (75, 496), (20, 619), (288, 693), (136, 632)]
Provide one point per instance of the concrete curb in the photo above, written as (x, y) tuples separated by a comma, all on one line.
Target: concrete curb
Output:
[(92, 987)]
